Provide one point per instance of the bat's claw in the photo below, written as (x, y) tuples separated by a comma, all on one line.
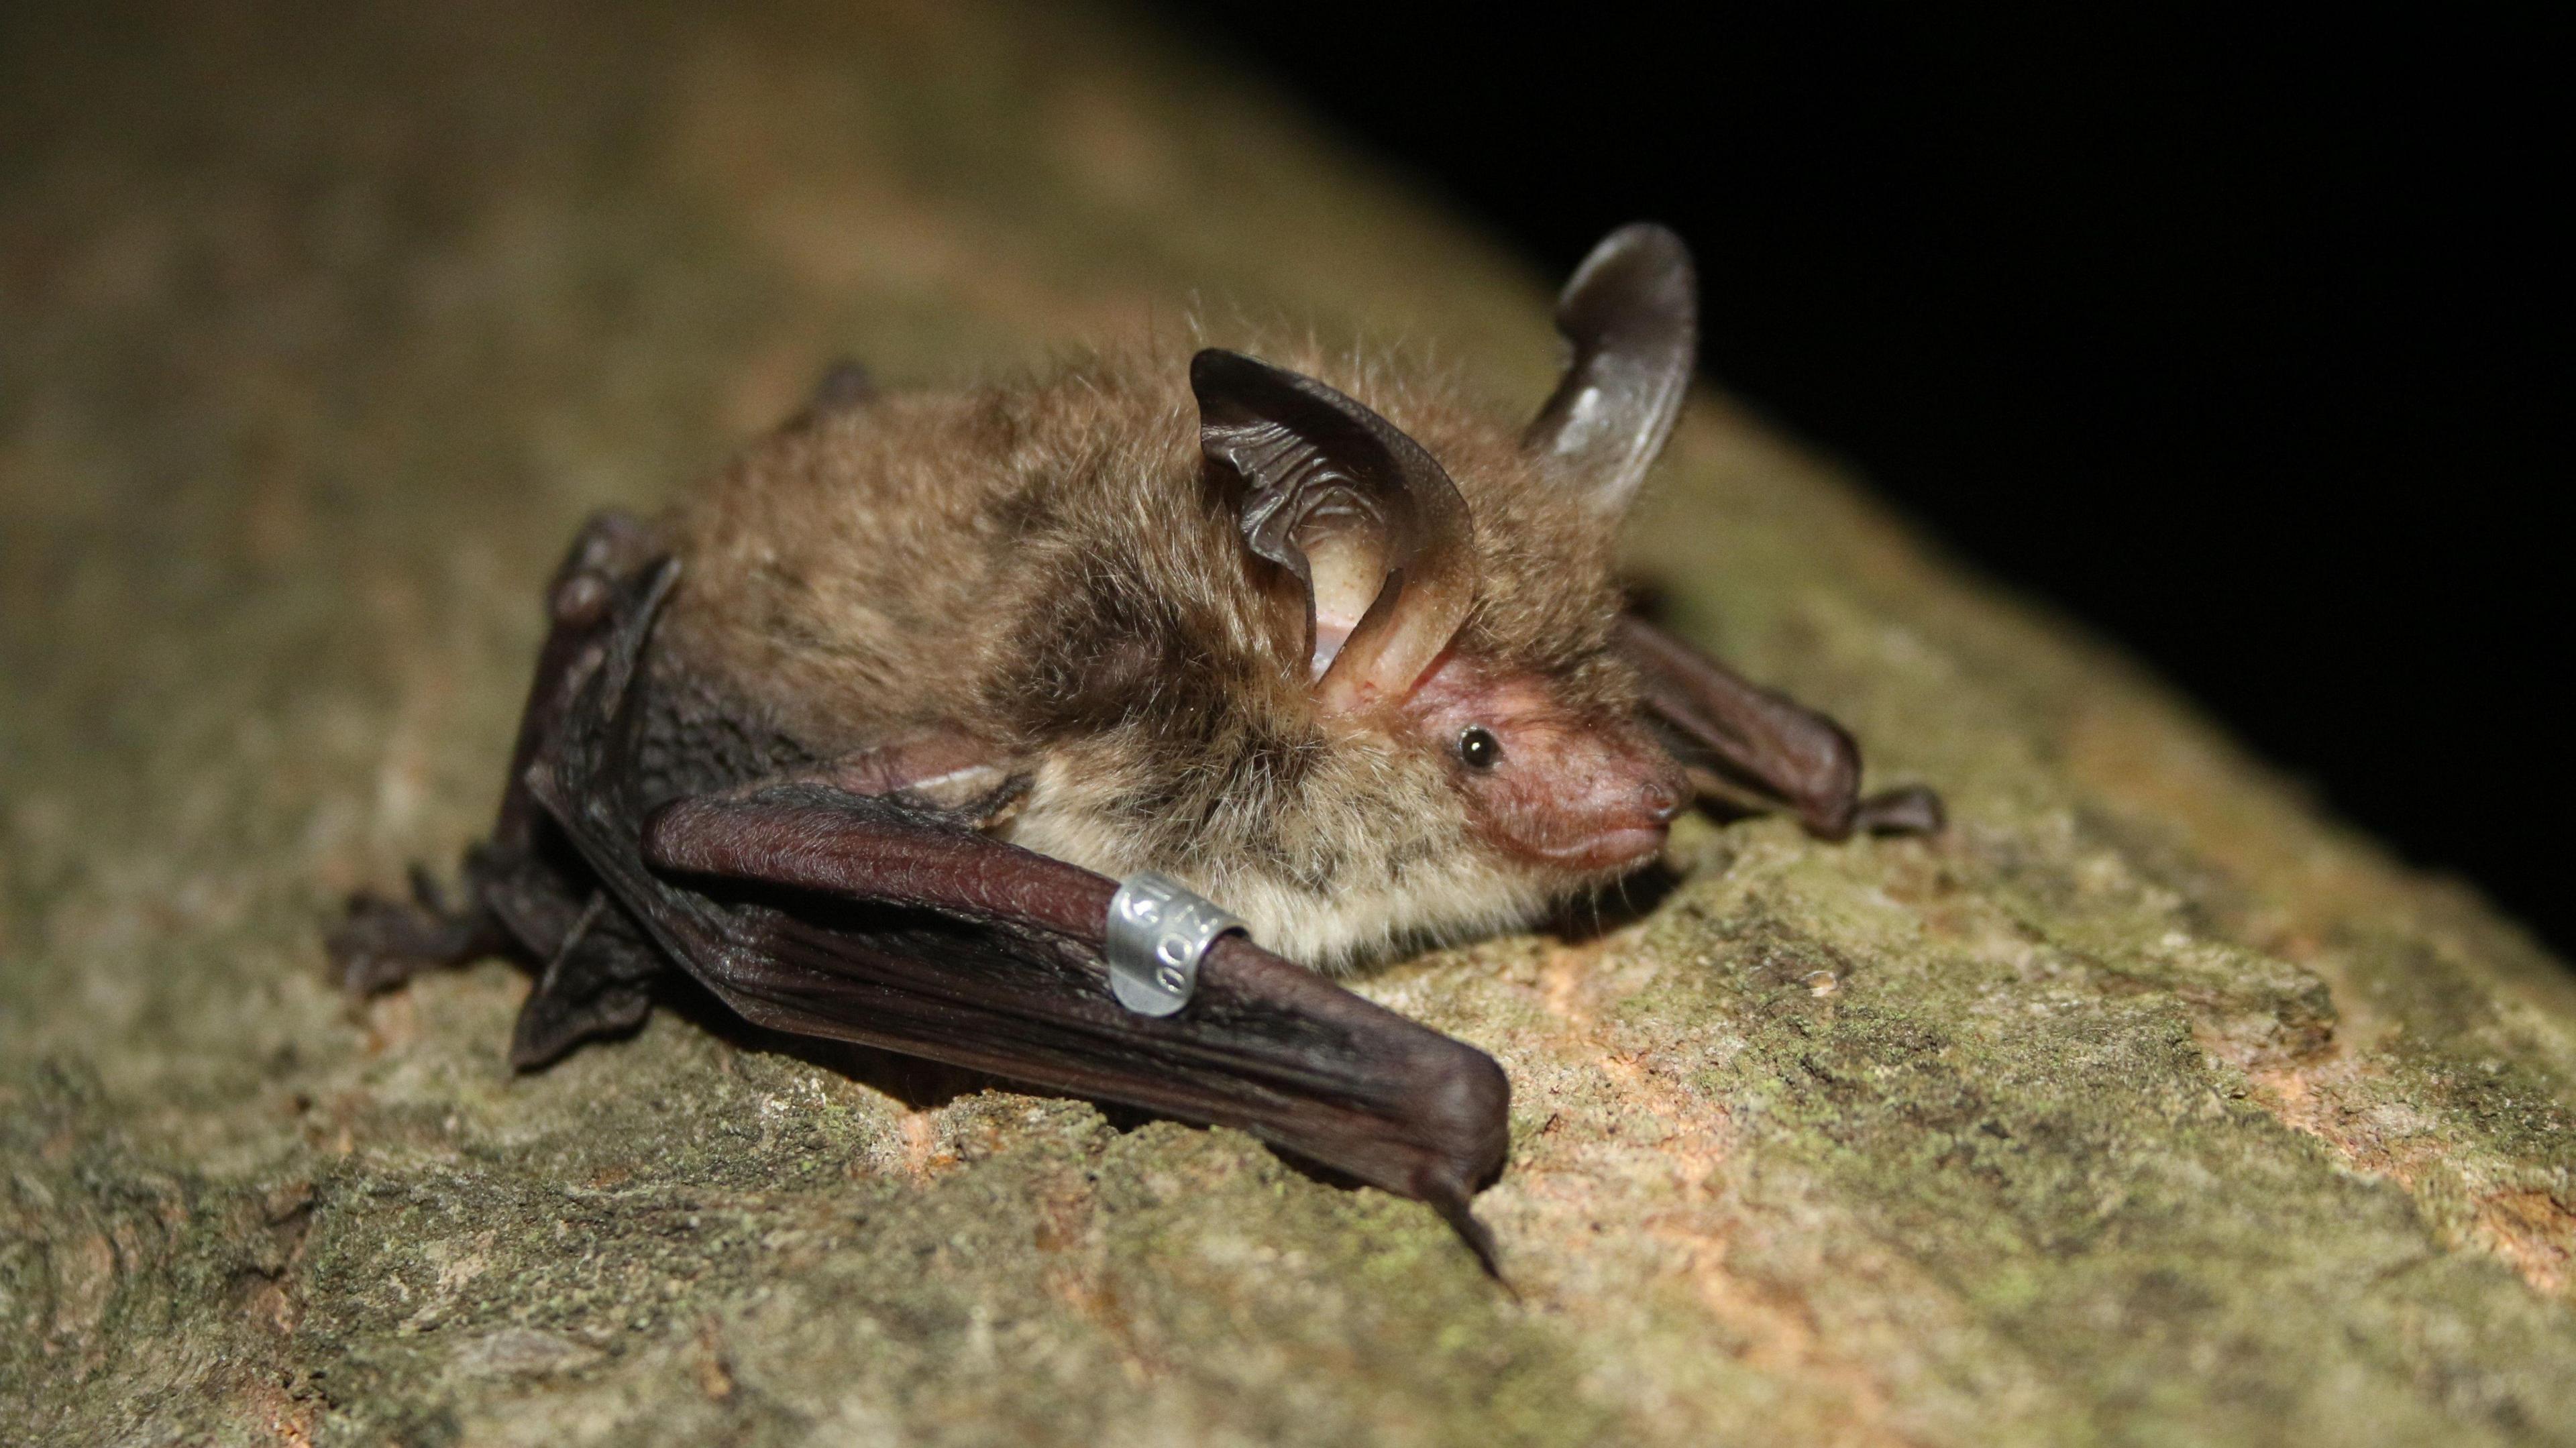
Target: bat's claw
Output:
[(381, 943), (1452, 1203)]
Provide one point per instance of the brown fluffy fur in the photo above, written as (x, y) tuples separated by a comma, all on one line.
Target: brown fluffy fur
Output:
[(1042, 566)]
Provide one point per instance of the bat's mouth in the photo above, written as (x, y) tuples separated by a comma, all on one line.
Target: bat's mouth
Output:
[(1622, 847)]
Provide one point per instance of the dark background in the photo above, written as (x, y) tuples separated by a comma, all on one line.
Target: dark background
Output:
[(2221, 332)]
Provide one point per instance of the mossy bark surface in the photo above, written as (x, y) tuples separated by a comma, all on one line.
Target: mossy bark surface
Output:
[(2146, 1105)]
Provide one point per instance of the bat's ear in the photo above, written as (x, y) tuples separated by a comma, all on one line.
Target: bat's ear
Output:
[(1370, 528), (1632, 313)]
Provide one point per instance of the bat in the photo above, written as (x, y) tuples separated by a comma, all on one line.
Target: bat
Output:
[(1076, 731)]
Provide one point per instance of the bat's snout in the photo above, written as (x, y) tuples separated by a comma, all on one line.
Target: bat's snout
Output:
[(1631, 813), (1609, 806)]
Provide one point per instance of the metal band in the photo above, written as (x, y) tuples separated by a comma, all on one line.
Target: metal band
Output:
[(1158, 932)]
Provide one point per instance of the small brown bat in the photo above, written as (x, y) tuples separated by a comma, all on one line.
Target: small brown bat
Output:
[(864, 734)]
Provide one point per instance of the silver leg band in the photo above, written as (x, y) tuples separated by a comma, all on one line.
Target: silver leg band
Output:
[(1158, 933)]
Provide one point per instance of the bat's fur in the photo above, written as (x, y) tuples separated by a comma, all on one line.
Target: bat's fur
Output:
[(1045, 568)]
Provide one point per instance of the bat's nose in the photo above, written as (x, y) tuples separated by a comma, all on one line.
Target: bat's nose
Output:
[(1663, 796)]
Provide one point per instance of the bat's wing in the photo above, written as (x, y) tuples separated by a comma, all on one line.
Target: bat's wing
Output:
[(1751, 746), (526, 892), (823, 912), (599, 982)]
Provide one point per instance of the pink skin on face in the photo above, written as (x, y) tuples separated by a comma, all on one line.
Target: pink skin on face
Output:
[(1567, 791)]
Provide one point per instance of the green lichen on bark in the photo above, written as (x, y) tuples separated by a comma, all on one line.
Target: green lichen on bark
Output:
[(2145, 1106)]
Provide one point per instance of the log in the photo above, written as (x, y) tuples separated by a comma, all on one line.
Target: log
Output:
[(2149, 1104)]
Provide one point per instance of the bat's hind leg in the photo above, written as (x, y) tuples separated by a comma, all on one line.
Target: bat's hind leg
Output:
[(523, 891), (525, 902), (596, 970), (384, 942)]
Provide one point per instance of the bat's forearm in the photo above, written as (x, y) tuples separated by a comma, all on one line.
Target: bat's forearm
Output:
[(1010, 978)]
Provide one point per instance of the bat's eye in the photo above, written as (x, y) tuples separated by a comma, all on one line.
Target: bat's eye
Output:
[(1478, 748)]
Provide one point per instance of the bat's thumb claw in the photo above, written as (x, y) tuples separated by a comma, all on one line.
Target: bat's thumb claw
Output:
[(1450, 1201)]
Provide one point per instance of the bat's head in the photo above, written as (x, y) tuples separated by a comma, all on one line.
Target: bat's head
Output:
[(1480, 754)]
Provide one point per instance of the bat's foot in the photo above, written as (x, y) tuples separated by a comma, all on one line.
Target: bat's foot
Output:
[(382, 943)]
